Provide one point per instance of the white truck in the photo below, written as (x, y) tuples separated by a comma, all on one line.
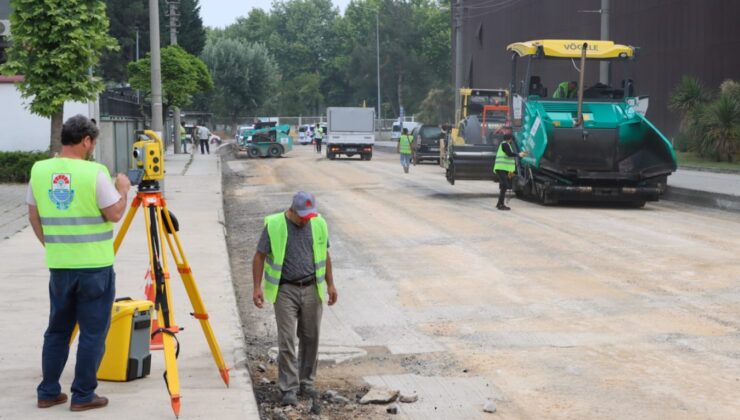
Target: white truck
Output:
[(351, 131)]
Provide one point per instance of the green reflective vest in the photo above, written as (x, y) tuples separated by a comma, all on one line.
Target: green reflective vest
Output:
[(318, 134), (563, 91), (504, 162), (76, 235), (404, 144), (277, 230)]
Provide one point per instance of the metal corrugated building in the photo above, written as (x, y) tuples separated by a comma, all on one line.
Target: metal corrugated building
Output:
[(700, 38)]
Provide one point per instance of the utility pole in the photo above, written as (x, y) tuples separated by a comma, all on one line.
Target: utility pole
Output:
[(173, 15), (604, 65), (138, 92), (457, 13), (157, 124), (377, 57)]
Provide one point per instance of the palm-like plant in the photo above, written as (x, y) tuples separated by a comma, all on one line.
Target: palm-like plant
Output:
[(688, 95), (721, 121)]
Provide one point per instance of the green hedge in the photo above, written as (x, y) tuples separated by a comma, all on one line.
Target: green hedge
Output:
[(16, 166)]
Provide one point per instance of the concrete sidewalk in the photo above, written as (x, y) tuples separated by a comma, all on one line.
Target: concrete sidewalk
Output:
[(704, 188), (193, 192)]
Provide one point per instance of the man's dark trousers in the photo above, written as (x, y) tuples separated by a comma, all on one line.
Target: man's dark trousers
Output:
[(83, 296), (503, 186), (204, 147)]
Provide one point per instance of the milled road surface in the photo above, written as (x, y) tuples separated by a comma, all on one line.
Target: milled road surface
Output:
[(566, 312)]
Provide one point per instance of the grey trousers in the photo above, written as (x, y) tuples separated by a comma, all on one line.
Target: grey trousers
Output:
[(298, 312)]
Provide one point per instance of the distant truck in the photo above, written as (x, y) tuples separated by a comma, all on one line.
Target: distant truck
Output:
[(351, 131)]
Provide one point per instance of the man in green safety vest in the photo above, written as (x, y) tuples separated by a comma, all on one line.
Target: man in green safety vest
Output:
[(318, 137), (566, 90), (293, 258), (72, 205), (505, 167), (404, 149)]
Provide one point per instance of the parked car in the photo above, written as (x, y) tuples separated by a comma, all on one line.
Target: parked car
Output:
[(303, 137), (425, 145)]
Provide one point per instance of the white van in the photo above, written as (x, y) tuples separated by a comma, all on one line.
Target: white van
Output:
[(396, 129)]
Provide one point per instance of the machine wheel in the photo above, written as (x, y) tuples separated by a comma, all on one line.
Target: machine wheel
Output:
[(367, 156), (637, 204), (275, 151), (450, 173), (253, 152), (331, 156)]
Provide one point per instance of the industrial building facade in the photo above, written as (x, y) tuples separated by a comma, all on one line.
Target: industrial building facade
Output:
[(699, 38)]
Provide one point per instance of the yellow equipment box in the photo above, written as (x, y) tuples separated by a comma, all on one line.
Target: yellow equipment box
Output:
[(127, 354)]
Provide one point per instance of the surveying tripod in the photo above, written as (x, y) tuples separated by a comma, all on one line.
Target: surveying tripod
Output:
[(161, 228)]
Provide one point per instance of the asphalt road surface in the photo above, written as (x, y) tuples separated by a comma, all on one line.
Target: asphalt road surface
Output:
[(565, 312)]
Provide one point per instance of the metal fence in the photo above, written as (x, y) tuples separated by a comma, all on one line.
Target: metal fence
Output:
[(384, 124)]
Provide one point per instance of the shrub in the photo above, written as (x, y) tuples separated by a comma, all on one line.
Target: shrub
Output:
[(710, 125), (16, 166), (721, 120)]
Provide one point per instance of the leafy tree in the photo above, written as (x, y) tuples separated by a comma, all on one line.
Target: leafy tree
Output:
[(243, 73), (301, 94), (183, 75), (309, 37), (126, 18), (438, 107), (55, 43), (191, 35)]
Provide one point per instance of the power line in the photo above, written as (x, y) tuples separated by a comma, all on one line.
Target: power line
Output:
[(486, 4), (505, 4)]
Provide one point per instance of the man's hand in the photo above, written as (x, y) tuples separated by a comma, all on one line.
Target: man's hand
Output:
[(523, 154), (123, 184), (332, 291), (258, 298)]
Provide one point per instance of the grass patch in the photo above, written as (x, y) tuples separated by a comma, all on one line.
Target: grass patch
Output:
[(691, 160)]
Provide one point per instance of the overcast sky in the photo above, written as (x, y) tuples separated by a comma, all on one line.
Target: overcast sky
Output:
[(220, 13)]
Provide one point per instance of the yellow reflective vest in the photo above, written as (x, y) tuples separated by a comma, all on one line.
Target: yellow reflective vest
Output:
[(277, 230), (76, 235)]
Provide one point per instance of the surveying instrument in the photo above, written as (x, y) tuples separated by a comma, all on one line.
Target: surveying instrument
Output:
[(162, 228)]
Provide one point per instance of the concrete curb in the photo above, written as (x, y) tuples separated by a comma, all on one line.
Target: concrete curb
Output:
[(720, 201)]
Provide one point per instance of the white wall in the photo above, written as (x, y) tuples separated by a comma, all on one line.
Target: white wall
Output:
[(21, 130)]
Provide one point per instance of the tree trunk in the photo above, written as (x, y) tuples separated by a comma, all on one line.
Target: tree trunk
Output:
[(398, 87), (234, 127), (57, 121)]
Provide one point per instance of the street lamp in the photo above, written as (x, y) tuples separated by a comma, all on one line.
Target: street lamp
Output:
[(377, 57)]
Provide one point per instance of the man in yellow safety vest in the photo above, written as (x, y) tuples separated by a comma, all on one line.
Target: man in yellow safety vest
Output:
[(72, 206), (293, 258), (404, 149), (504, 167)]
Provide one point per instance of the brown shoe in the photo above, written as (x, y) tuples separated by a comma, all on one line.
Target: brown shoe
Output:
[(60, 399), (97, 402)]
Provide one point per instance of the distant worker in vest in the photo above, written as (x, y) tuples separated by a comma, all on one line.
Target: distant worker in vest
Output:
[(404, 149), (183, 138), (566, 90), (293, 258), (505, 167), (318, 137), (203, 135), (72, 205)]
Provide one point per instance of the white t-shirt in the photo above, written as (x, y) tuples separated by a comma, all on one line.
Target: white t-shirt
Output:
[(203, 133), (106, 192)]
